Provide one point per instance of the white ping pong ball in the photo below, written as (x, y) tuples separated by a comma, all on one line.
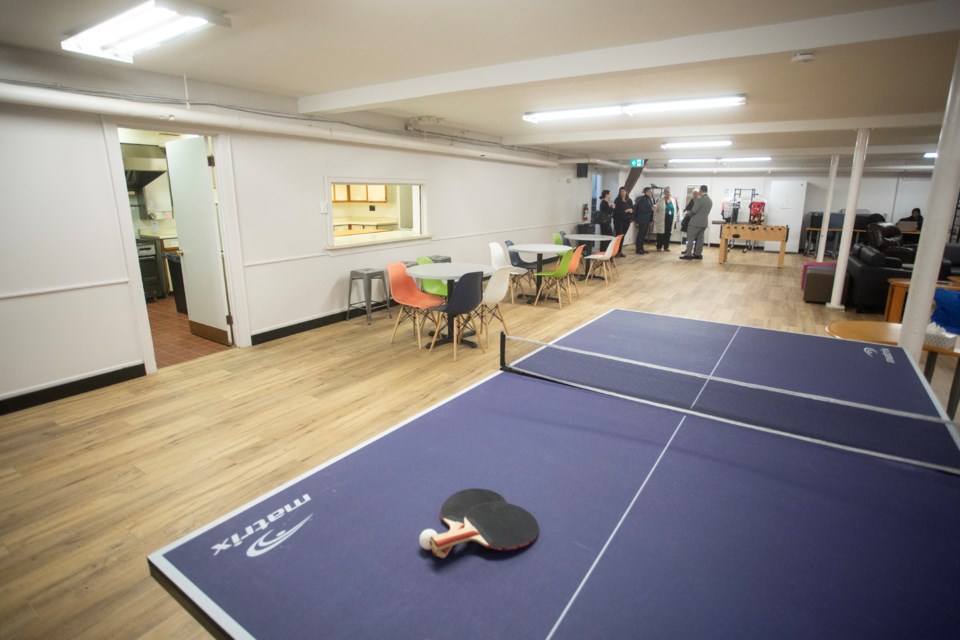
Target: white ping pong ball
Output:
[(425, 536)]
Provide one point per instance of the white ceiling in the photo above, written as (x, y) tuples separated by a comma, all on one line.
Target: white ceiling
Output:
[(475, 68)]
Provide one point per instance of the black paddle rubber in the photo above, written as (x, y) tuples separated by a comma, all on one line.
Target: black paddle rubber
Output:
[(504, 526), (457, 505)]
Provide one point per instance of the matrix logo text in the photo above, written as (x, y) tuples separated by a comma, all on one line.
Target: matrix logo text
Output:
[(887, 355), (265, 542)]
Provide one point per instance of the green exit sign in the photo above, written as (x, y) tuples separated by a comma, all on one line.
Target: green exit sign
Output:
[(636, 163)]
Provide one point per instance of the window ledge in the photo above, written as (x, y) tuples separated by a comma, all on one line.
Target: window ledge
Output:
[(383, 238)]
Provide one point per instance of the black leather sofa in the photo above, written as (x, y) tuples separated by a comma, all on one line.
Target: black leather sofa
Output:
[(951, 254), (888, 238), (869, 270)]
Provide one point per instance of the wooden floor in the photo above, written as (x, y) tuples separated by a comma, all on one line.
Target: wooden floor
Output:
[(90, 485)]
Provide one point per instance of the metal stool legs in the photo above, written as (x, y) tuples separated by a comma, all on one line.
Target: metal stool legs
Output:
[(368, 276)]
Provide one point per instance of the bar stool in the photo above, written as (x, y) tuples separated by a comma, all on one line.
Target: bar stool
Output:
[(368, 276)]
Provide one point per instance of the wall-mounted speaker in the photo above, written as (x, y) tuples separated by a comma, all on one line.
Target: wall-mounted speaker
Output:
[(583, 170)]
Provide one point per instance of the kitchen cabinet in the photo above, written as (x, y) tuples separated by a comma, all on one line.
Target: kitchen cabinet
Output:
[(359, 192)]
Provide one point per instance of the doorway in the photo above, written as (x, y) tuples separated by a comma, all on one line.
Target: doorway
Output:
[(175, 214)]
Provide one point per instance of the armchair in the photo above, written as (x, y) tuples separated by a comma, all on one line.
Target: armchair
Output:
[(887, 238)]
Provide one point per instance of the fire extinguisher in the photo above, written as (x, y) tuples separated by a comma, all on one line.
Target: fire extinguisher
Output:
[(586, 212)]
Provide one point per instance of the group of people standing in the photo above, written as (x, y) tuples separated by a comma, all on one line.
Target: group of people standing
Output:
[(660, 213)]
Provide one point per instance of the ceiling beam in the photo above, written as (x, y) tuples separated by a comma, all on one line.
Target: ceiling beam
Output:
[(935, 16), (743, 128)]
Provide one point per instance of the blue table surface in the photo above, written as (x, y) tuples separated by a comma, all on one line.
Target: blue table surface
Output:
[(654, 522)]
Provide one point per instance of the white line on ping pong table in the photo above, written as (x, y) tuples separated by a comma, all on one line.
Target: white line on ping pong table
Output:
[(636, 496), (613, 533)]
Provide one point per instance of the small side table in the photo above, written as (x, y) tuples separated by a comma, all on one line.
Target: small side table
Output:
[(897, 296)]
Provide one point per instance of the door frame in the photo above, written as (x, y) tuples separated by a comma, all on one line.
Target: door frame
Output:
[(229, 232)]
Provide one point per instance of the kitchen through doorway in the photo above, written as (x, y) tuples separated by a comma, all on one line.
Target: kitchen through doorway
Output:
[(171, 186)]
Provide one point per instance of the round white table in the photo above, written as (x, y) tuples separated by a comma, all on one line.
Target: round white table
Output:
[(539, 249), (588, 237), (451, 272)]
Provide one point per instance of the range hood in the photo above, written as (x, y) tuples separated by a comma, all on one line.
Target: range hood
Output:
[(142, 164)]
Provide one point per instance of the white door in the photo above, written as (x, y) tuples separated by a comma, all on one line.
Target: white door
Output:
[(198, 231), (785, 203)]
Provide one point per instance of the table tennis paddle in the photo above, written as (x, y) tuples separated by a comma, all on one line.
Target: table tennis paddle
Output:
[(500, 526), (457, 505), (454, 508)]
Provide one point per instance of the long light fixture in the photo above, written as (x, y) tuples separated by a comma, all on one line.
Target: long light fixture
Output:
[(636, 108), (755, 159), (699, 144), (692, 160), (143, 27), (930, 155), (692, 104)]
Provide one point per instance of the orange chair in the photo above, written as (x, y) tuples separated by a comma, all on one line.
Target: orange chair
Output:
[(616, 251), (572, 273), (414, 304)]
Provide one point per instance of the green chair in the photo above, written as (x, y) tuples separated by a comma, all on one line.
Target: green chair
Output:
[(435, 287), (556, 279)]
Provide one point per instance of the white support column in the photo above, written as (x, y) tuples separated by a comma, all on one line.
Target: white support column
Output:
[(827, 207), (846, 236), (937, 219)]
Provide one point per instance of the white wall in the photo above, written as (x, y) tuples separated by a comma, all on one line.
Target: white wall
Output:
[(66, 302), (890, 195), (71, 300), (290, 273)]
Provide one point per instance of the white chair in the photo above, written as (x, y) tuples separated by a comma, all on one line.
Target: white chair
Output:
[(490, 304), (498, 258), (604, 259)]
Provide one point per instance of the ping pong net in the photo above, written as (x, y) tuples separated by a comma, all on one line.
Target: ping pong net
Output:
[(925, 440)]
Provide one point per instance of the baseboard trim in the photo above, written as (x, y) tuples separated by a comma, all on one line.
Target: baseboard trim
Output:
[(43, 396), (300, 327)]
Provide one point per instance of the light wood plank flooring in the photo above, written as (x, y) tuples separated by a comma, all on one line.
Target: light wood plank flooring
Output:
[(90, 485)]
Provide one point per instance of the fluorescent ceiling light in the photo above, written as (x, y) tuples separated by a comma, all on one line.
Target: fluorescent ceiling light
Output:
[(684, 105), (691, 160), (930, 155), (636, 108), (702, 144), (756, 159), (143, 27), (570, 114)]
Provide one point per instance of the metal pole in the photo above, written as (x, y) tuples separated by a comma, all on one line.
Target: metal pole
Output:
[(938, 218), (827, 206), (846, 236)]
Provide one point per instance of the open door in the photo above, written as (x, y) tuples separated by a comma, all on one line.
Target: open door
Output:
[(198, 230)]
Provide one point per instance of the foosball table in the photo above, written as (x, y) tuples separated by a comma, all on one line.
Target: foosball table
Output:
[(762, 232)]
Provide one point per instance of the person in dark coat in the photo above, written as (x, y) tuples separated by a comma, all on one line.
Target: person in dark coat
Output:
[(643, 216), (622, 215)]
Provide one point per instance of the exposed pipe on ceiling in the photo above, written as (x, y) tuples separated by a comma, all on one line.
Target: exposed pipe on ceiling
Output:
[(120, 109), (602, 163)]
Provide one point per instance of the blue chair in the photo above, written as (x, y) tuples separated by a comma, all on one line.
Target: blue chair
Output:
[(462, 307)]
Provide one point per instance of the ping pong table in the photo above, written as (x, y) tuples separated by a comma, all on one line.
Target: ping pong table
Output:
[(657, 518)]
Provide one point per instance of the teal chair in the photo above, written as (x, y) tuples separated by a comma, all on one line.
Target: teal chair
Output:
[(435, 287)]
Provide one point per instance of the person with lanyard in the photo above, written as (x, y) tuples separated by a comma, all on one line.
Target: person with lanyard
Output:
[(622, 215), (663, 214), (643, 216)]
